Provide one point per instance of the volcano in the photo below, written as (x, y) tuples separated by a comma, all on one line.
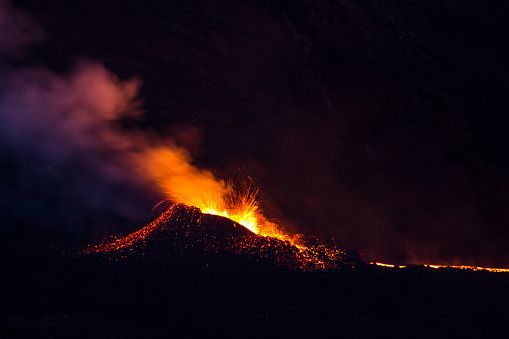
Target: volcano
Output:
[(183, 235)]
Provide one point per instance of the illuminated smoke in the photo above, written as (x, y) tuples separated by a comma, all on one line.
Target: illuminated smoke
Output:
[(72, 123), (73, 120)]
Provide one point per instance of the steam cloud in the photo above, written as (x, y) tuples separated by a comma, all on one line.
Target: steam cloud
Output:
[(70, 124)]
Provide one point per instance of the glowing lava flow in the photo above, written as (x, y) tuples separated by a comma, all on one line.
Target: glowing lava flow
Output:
[(434, 266)]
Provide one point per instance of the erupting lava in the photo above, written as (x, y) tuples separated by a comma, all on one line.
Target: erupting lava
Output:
[(183, 183), (200, 198), (190, 223)]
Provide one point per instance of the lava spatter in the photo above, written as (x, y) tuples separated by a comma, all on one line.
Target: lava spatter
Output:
[(185, 232)]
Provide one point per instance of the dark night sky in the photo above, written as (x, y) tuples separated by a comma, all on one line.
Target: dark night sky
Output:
[(382, 124)]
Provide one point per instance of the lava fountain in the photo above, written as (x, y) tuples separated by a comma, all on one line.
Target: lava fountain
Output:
[(190, 189), (183, 183)]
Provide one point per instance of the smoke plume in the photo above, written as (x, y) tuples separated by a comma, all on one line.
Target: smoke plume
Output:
[(71, 124)]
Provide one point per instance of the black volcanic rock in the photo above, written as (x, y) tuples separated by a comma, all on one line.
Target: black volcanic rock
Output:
[(185, 235)]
